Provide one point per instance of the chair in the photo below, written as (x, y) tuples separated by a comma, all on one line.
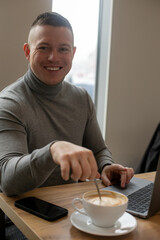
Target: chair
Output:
[(151, 156)]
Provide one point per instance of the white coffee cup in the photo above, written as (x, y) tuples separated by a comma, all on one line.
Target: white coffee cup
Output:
[(103, 213)]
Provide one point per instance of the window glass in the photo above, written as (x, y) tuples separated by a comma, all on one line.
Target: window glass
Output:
[(83, 16)]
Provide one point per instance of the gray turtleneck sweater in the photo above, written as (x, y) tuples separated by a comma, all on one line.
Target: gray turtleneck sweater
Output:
[(32, 116)]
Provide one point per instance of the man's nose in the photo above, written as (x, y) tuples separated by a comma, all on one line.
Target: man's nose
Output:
[(53, 55)]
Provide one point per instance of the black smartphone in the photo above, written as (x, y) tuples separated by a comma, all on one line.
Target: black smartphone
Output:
[(41, 208)]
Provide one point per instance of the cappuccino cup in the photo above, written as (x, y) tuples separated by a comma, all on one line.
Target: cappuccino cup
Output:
[(104, 212)]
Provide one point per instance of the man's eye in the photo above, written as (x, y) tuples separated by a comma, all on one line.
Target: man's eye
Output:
[(42, 48), (64, 49)]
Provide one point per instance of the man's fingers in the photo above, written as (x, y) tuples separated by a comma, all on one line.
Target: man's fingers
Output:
[(130, 174), (76, 170), (115, 173), (105, 179), (93, 166), (87, 167), (126, 176), (70, 165), (123, 178), (65, 170), (75, 159), (98, 175)]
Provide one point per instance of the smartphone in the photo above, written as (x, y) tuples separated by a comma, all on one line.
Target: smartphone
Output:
[(41, 208)]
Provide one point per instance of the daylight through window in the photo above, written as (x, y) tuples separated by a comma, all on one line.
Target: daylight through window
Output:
[(83, 16)]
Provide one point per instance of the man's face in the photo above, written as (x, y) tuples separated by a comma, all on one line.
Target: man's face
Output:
[(50, 53)]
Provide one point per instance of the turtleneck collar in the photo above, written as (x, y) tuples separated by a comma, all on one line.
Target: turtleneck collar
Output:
[(39, 87)]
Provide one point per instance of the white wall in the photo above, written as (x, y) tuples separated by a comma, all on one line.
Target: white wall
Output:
[(15, 19), (133, 110)]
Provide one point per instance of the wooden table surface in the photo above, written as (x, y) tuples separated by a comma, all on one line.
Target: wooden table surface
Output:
[(36, 228)]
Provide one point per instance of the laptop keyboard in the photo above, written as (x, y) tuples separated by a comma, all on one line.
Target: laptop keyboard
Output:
[(139, 201)]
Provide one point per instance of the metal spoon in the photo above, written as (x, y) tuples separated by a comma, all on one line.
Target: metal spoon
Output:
[(95, 180)]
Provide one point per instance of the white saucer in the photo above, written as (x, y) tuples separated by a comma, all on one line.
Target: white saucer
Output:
[(126, 224)]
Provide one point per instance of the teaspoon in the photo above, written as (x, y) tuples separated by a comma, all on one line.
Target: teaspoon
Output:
[(95, 180)]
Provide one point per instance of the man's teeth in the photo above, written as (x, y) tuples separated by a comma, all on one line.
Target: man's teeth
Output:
[(53, 68)]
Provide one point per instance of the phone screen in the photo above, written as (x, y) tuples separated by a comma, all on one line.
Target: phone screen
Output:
[(41, 208)]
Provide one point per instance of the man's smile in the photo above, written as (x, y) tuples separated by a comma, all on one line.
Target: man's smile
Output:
[(53, 68)]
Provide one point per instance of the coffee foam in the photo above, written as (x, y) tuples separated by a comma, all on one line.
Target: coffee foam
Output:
[(109, 199)]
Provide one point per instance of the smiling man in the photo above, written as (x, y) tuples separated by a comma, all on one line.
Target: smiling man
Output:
[(49, 133)]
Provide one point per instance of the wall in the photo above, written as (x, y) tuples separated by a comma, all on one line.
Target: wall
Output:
[(15, 20), (133, 110)]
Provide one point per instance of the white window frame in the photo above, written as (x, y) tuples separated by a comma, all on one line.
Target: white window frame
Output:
[(103, 59)]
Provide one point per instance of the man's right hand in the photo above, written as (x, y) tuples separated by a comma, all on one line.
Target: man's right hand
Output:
[(72, 158)]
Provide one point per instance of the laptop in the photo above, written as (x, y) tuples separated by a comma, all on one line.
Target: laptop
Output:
[(141, 192)]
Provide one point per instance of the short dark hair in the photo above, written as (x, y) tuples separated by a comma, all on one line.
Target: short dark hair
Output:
[(53, 19)]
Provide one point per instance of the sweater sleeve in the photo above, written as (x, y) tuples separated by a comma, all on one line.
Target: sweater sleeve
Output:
[(93, 138), (20, 171)]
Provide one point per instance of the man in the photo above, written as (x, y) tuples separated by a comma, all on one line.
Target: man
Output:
[(48, 129)]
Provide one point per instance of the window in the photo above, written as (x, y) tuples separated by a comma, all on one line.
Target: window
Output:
[(83, 16), (92, 22)]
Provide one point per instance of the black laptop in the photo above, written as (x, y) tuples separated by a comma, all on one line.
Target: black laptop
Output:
[(143, 195)]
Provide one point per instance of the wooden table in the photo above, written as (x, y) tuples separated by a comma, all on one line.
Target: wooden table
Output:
[(35, 228)]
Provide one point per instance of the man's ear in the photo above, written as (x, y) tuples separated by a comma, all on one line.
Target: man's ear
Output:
[(26, 51), (74, 50)]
